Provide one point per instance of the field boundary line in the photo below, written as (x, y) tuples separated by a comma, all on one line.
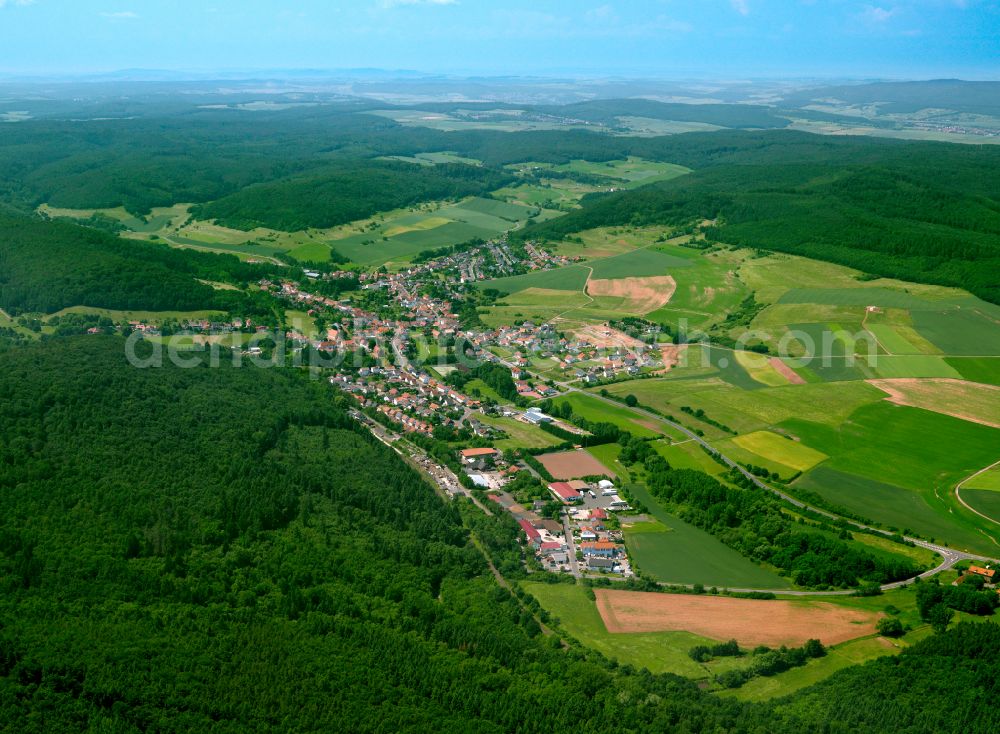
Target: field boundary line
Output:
[(966, 505)]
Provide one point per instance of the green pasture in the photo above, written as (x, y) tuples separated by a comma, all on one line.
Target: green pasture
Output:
[(977, 369), (688, 455), (571, 278), (519, 434), (896, 507), (631, 173), (688, 555), (837, 658), (904, 446), (986, 501), (496, 208), (638, 263), (911, 365), (859, 296), (608, 454), (758, 366), (962, 331), (311, 252), (745, 411), (988, 480), (598, 411)]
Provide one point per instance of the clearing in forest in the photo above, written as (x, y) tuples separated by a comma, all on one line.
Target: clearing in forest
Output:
[(749, 621)]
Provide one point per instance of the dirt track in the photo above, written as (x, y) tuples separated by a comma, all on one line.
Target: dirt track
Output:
[(749, 621)]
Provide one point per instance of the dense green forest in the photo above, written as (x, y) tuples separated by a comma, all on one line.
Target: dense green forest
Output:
[(223, 550), (922, 212), (46, 266), (918, 211), (346, 192)]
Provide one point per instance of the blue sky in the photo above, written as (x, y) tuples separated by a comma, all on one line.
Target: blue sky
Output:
[(664, 38)]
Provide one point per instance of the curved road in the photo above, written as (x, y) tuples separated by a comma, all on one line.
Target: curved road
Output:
[(966, 505), (949, 556)]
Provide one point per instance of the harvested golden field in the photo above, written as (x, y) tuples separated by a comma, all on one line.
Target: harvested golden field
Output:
[(749, 621)]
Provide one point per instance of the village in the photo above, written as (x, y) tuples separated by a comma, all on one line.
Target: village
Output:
[(396, 348)]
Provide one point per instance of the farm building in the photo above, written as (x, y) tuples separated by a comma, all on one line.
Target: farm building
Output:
[(534, 537), (601, 549), (478, 458), (564, 493), (536, 416), (987, 573)]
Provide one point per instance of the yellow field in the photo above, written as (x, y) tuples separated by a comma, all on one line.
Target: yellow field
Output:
[(779, 449), (758, 366)]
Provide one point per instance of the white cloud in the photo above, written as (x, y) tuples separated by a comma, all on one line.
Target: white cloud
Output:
[(121, 15), (876, 14), (740, 6)]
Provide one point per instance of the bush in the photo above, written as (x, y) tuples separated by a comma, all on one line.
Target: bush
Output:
[(890, 627)]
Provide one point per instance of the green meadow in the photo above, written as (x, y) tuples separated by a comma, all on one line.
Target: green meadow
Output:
[(686, 555), (598, 411)]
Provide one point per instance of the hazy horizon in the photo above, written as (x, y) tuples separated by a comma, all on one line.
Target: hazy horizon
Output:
[(664, 39)]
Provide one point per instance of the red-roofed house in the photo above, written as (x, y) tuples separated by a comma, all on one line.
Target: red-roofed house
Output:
[(564, 493), (478, 458), (534, 537)]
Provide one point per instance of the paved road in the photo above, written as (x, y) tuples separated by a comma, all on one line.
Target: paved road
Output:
[(949, 556), (574, 566)]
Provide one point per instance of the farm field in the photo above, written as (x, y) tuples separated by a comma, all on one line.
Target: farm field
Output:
[(966, 400), (386, 237), (608, 455), (930, 450), (977, 369), (519, 434), (632, 172), (597, 410), (704, 286), (895, 507), (659, 652), (780, 449), (986, 501), (988, 480), (537, 305), (571, 278), (574, 464), (751, 622), (687, 455), (687, 555)]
